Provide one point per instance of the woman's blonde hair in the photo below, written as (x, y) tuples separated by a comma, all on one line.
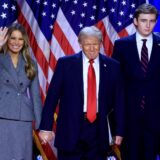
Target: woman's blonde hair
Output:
[(29, 66)]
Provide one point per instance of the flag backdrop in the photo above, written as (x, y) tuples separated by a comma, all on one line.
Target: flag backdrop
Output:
[(156, 3), (53, 26)]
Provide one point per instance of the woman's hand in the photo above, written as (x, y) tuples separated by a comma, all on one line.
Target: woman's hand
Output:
[(3, 36)]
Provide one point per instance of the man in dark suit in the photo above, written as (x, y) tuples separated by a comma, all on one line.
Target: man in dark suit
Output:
[(80, 134), (139, 57)]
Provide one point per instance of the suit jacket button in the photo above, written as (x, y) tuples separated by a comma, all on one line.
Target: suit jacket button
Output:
[(7, 80), (21, 84), (7, 92)]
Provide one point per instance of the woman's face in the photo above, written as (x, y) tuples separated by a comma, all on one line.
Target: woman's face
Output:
[(15, 42)]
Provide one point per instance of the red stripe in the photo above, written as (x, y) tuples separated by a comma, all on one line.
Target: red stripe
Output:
[(36, 50), (52, 61), (62, 40), (42, 95), (108, 46), (123, 33)]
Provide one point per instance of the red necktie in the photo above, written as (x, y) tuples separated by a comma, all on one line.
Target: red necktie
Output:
[(91, 94)]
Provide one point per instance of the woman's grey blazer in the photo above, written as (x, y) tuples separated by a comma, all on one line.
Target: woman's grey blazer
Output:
[(19, 97)]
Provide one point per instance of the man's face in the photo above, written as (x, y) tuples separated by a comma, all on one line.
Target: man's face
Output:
[(145, 24), (90, 45)]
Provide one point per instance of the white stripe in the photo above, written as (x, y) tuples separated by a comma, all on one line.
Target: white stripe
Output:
[(67, 29), (41, 76), (50, 74), (41, 40), (56, 48), (42, 80), (131, 29), (110, 30)]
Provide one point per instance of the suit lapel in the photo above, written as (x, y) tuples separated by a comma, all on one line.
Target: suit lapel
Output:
[(133, 54), (104, 75), (78, 69), (155, 55), (103, 70), (10, 70)]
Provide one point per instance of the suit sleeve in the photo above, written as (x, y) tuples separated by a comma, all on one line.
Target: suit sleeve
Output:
[(116, 51), (52, 98), (120, 102), (119, 105)]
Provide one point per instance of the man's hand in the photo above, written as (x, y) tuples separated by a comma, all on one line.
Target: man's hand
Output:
[(46, 136), (118, 140)]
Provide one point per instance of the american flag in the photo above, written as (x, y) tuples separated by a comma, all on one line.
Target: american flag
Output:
[(53, 26)]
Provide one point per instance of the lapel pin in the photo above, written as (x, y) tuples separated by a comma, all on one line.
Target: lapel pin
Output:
[(105, 65)]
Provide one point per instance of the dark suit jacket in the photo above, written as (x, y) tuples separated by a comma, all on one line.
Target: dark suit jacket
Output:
[(66, 88), (137, 85)]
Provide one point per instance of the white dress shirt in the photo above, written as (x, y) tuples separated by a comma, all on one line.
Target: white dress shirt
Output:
[(85, 75), (149, 44)]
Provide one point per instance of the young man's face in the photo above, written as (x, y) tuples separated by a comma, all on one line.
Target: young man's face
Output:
[(145, 24)]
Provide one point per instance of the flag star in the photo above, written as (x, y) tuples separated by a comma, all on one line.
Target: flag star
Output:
[(37, 1), (85, 4), (5, 5), (119, 23), (124, 3), (103, 10), (131, 16), (133, 5), (44, 14), (94, 7), (73, 12), (112, 10), (80, 25), (82, 14), (114, 0), (13, 8), (51, 26), (45, 3), (52, 16), (66, 0), (54, 5), (75, 1), (3, 15), (121, 13), (92, 17)]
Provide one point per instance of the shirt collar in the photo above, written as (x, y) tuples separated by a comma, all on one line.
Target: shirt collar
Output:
[(86, 60), (139, 37)]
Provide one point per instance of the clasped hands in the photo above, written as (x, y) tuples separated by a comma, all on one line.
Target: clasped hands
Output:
[(46, 136)]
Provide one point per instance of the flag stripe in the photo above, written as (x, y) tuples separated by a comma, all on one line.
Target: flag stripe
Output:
[(38, 52), (62, 40), (68, 31)]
